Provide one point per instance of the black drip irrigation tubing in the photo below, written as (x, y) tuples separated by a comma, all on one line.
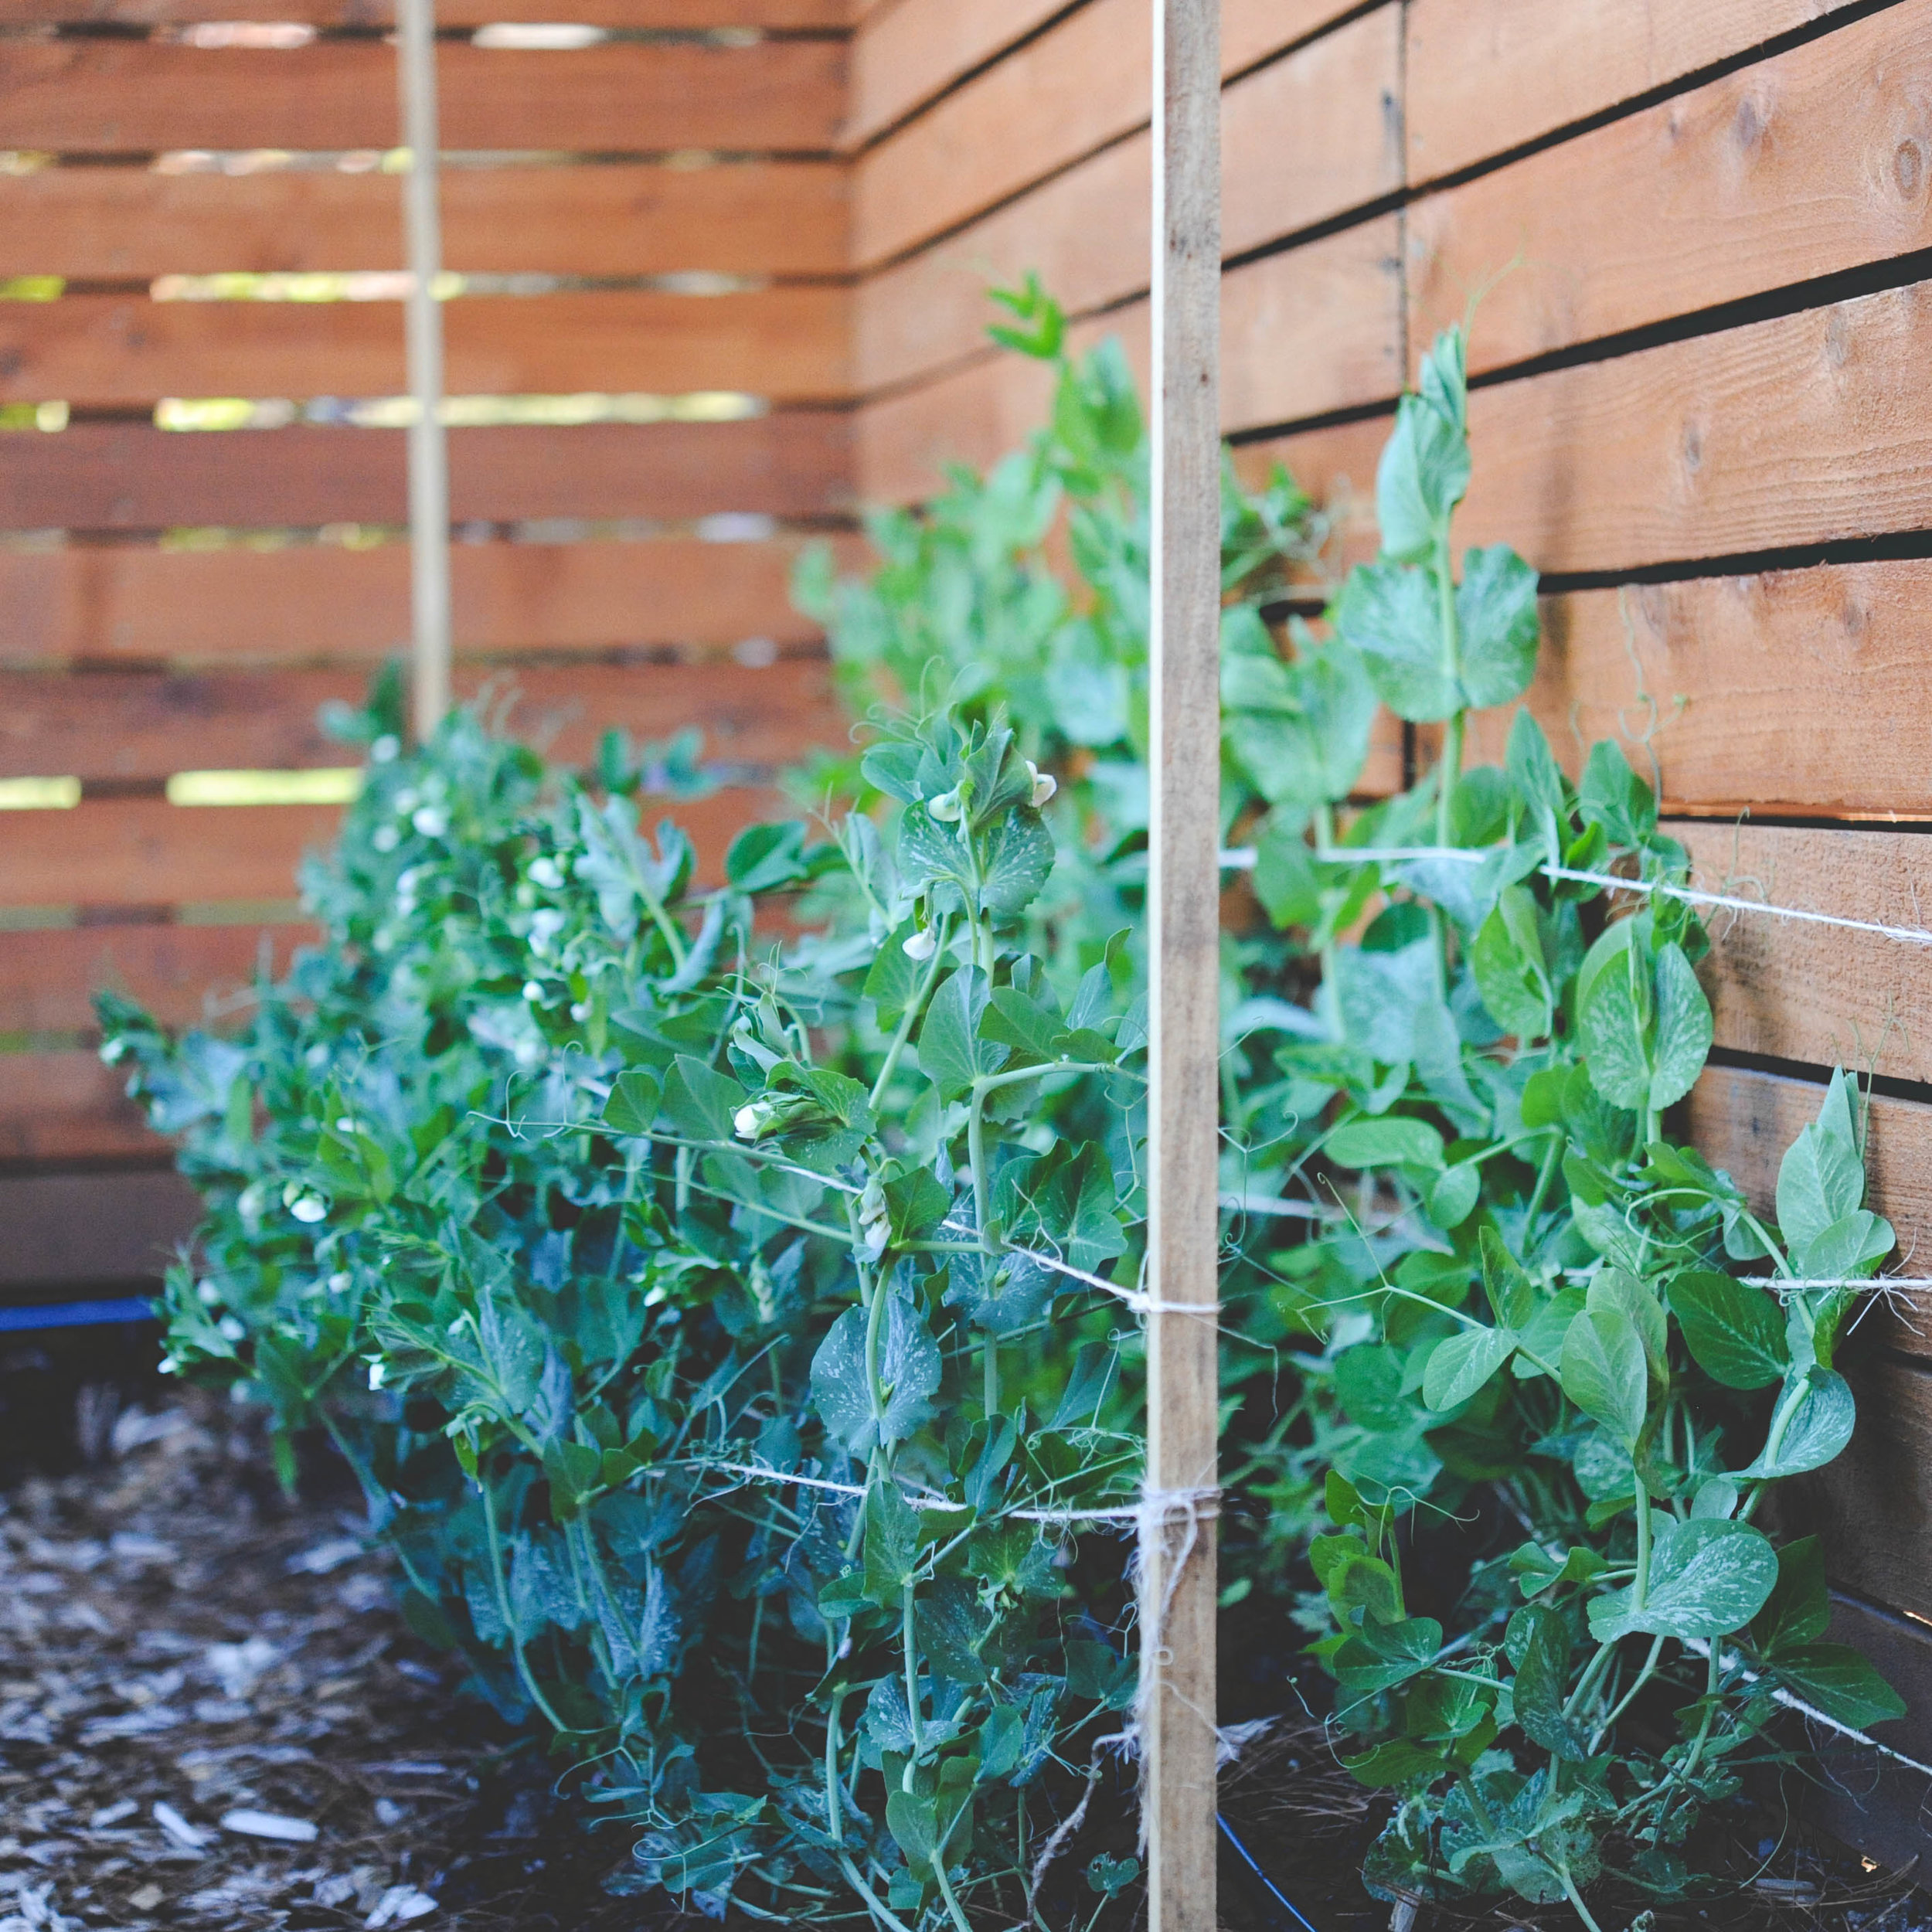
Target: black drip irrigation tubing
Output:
[(1274, 1892)]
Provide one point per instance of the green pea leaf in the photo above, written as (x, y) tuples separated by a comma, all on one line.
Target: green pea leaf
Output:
[(1799, 1610), (953, 1050), (1605, 1372), (1841, 1683), (1817, 1430), (909, 1375), (1394, 1141), (1538, 1645), (1707, 1578), (1613, 798), (1424, 470), (1496, 612), (700, 1100), (1616, 1289), (1822, 1177), (764, 857), (1512, 974), (1684, 1029), (1460, 1365), (1849, 1249), (632, 1108), (1736, 1333), (1018, 858), (1379, 1656), (1390, 613), (1452, 1196)]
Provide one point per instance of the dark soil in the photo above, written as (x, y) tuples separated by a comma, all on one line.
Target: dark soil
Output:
[(179, 1644)]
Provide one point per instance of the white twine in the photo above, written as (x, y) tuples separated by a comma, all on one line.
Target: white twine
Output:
[(1140, 1302), (1242, 859), (1699, 1648), (1154, 1505)]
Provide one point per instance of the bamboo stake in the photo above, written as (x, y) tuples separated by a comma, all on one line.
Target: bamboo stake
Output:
[(1178, 1565), (428, 443)]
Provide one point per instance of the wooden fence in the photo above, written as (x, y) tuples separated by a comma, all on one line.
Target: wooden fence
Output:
[(1702, 412), (178, 600)]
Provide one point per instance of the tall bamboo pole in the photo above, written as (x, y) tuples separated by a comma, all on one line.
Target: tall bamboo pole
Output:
[(1178, 1535), (429, 494)]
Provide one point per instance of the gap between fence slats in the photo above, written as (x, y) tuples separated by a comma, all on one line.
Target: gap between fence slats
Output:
[(120, 725), (107, 96), (143, 852), (788, 344), (1485, 76), (311, 603), (751, 218), (131, 477)]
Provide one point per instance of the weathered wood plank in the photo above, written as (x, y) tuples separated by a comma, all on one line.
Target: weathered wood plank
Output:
[(129, 477), (1799, 166), (904, 55), (1486, 76), (1028, 116), (699, 14), (1743, 1121), (738, 218), (141, 851), (1801, 430), (112, 96), (107, 1230), (1304, 139), (1801, 692), (785, 343), (319, 603), (184, 975), (66, 1105), (145, 725)]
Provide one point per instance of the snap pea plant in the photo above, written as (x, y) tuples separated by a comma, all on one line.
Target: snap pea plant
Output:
[(724, 1334), (1552, 1347)]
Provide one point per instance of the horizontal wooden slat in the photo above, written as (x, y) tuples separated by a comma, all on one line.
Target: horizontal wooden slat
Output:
[(183, 975), (1060, 97), (903, 55), (66, 1107), (1801, 166), (749, 218), (68, 1231), (788, 344), (128, 477), (701, 14), (1820, 995), (102, 95), (1486, 76), (1743, 1121), (140, 852), (1304, 139), (1801, 692), (314, 603), (1798, 431), (119, 725)]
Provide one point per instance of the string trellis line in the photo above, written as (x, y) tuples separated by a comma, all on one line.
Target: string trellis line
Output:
[(1242, 859)]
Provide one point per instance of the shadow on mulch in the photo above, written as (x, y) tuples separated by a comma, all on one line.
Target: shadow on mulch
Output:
[(188, 1662)]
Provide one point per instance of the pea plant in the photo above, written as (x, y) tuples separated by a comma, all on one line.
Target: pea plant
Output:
[(1548, 1343), (726, 1336)]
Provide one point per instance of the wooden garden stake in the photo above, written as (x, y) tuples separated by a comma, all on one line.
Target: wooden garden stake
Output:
[(1177, 1601), (428, 493)]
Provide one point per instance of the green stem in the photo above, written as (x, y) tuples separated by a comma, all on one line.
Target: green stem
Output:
[(909, 1643), (1624, 1703), (1576, 1898), (1545, 1175), (1639, 1589), (1450, 767), (910, 1019), (1587, 1683), (502, 1588)]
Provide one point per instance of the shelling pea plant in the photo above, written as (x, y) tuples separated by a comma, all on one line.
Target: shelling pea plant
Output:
[(1537, 1314), (725, 1338)]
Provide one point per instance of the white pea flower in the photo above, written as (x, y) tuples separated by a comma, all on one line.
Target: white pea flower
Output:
[(948, 808), (877, 1234), (207, 1293), (340, 1282), (231, 1328), (546, 923), (386, 839), (112, 1051), (1044, 784), (923, 944), (431, 820), (375, 1375), (308, 1209), (547, 873), (875, 1219), (580, 1011), (385, 750), (750, 1120), (533, 991)]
